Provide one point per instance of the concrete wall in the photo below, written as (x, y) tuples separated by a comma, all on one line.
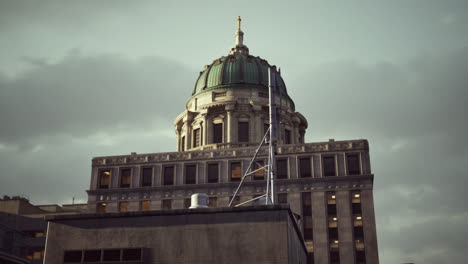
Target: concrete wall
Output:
[(228, 235)]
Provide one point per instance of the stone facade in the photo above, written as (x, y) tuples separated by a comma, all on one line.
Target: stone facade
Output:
[(327, 184), (224, 235)]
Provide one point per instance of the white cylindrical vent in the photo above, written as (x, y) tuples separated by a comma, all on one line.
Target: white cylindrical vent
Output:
[(199, 200)]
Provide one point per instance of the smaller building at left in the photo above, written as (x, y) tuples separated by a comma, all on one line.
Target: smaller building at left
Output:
[(23, 228)]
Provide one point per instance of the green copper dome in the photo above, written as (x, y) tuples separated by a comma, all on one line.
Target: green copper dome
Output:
[(236, 71)]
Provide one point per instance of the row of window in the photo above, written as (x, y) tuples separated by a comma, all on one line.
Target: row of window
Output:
[(103, 255), (333, 235), (242, 135), (166, 204), (235, 172)]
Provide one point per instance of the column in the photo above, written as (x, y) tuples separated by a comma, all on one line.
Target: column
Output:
[(345, 227), (208, 121), (370, 233), (320, 225)]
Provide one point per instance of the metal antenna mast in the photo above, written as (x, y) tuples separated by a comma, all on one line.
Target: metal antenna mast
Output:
[(270, 193)]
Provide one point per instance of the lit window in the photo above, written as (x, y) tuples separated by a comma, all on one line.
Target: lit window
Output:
[(123, 207), (260, 174), (146, 205), (101, 207), (104, 179), (125, 177), (331, 198), (236, 172)]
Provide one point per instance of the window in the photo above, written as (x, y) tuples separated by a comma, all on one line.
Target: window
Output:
[(307, 224), (305, 168), (117, 254), (123, 207), (196, 138), (236, 172), (101, 207), (329, 168), (72, 256), (168, 175), (166, 204), (125, 176), (92, 255), (190, 174), (287, 136), (218, 133), (131, 254), (145, 205), (243, 135), (334, 257), (146, 177), (260, 174), (111, 255), (282, 198), (212, 202), (352, 161), (360, 256), (281, 168), (187, 202), (104, 179), (236, 200), (213, 173), (183, 144)]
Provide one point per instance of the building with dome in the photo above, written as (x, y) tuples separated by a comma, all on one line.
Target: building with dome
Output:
[(327, 185)]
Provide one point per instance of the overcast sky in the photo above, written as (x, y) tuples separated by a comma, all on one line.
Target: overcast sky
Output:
[(80, 79)]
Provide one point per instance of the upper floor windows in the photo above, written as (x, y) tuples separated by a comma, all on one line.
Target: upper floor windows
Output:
[(260, 172), (287, 136), (218, 133), (104, 179), (281, 168), (213, 172), (191, 174), (352, 162), (125, 178), (305, 170), (146, 177), (329, 167), (196, 137), (236, 171), (168, 177), (243, 132)]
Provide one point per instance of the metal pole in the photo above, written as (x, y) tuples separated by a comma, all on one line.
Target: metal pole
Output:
[(273, 139)]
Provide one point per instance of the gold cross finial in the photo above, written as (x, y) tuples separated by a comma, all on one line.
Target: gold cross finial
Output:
[(238, 23)]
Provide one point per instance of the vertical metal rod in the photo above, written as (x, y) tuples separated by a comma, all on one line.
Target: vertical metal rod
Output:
[(273, 139)]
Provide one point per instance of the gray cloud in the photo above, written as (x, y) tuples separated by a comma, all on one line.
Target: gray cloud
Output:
[(414, 115), (81, 95)]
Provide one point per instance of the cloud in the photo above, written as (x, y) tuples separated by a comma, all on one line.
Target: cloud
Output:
[(449, 19), (82, 95), (414, 115)]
